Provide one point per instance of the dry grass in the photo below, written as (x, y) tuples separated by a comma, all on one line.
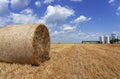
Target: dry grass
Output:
[(70, 61)]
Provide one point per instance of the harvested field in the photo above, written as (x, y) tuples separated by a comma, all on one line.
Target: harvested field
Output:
[(70, 61)]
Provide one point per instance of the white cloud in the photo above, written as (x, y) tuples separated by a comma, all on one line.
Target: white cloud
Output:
[(77, 0), (4, 21), (19, 4), (72, 37), (116, 32), (111, 1), (56, 15), (55, 33), (81, 18), (48, 1), (25, 17), (38, 3), (118, 11), (4, 7), (81, 33), (27, 11), (67, 27)]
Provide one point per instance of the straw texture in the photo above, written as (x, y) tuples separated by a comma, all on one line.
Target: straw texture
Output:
[(26, 44)]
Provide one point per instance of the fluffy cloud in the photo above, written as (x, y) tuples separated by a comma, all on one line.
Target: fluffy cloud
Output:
[(56, 15), (4, 21), (38, 3), (19, 4), (48, 1), (25, 17), (4, 7), (14, 4), (118, 11), (4, 12), (74, 36), (116, 32), (67, 27), (111, 1), (55, 33), (81, 18), (27, 11), (77, 0)]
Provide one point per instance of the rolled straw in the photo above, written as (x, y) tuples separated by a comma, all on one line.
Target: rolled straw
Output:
[(26, 44)]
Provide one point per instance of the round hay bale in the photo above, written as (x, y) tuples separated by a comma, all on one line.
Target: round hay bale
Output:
[(26, 44)]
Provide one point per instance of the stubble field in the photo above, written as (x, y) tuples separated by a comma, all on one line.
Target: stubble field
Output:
[(70, 61)]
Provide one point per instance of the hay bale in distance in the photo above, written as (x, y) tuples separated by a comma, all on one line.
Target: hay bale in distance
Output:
[(26, 44)]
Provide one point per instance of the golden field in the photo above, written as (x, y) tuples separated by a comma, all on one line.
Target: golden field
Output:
[(70, 61)]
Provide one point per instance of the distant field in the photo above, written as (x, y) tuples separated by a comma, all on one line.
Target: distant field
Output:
[(70, 61)]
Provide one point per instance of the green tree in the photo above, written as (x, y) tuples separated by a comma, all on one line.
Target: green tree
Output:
[(114, 41)]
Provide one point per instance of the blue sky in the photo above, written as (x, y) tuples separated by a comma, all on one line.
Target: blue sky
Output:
[(68, 21)]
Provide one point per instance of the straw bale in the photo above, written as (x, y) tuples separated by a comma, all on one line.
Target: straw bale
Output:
[(26, 44)]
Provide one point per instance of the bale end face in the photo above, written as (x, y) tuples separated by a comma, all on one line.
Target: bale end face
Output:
[(41, 44)]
